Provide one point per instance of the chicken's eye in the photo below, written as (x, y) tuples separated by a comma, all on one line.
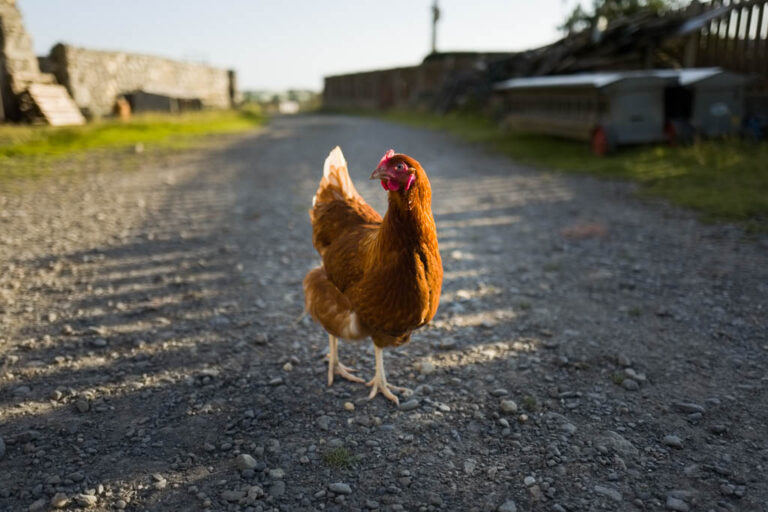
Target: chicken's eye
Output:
[(400, 167)]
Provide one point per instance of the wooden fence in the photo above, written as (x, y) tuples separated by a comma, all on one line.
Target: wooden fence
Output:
[(738, 40)]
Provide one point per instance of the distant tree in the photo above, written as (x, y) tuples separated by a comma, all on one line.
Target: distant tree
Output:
[(580, 19)]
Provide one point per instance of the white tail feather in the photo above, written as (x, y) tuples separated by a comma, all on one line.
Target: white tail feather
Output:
[(335, 159), (336, 176)]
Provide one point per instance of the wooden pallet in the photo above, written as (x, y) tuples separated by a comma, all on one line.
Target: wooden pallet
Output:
[(50, 104)]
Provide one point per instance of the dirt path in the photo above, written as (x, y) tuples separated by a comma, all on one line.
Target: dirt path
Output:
[(592, 351)]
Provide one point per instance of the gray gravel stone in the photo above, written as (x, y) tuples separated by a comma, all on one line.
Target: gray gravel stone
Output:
[(324, 422), (688, 407), (508, 406), (507, 506), (82, 405), (409, 405), (38, 505), (2, 447), (610, 492), (232, 496), (245, 461), (86, 500), (277, 488), (630, 385), (673, 441), (677, 504), (340, 488)]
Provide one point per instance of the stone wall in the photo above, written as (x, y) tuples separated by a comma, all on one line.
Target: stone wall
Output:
[(18, 63), (406, 87), (96, 78)]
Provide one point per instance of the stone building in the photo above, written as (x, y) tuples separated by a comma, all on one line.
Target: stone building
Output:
[(95, 79)]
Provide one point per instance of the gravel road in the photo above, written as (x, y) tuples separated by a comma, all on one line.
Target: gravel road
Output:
[(593, 350)]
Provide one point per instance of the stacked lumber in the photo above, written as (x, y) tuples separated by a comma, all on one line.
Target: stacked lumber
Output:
[(50, 104)]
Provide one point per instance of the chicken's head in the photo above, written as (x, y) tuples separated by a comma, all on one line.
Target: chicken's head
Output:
[(396, 171)]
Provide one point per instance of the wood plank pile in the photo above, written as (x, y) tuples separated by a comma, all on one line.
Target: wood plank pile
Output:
[(50, 104)]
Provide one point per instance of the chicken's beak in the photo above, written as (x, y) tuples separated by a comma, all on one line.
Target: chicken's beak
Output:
[(381, 173)]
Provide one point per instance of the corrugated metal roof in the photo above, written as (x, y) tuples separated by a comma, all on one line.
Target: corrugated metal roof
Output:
[(691, 76), (596, 80), (684, 77)]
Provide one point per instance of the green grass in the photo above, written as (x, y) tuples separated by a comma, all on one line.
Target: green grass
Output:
[(340, 458), (722, 179), (31, 151)]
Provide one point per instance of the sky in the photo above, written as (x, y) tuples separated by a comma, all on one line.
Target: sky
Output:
[(281, 44)]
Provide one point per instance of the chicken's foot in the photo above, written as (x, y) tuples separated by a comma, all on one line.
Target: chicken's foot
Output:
[(379, 381), (334, 366)]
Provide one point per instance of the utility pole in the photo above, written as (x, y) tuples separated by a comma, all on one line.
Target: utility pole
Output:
[(435, 17)]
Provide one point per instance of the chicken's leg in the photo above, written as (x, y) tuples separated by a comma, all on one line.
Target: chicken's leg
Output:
[(379, 381), (334, 366)]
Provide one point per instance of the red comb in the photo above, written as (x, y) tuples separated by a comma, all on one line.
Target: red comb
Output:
[(389, 154)]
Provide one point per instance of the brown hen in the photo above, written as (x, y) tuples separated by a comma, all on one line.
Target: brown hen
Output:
[(379, 277)]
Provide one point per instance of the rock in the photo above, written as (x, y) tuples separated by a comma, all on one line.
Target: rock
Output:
[(324, 422), (623, 360), (255, 492), (82, 405), (38, 506), (508, 406), (260, 339), (245, 461), (276, 474), (86, 500), (718, 428), (435, 499), (609, 492), (99, 342), (447, 344), (2, 448), (673, 441), (688, 407), (121, 504), (77, 476), (232, 496), (568, 428), (630, 385), (410, 405), (499, 392), (677, 504), (529, 481), (340, 488), (277, 489), (426, 368), (349, 406), (59, 500), (614, 440), (507, 506)]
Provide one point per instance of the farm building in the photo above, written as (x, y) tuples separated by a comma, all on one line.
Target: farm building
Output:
[(631, 107), (730, 34)]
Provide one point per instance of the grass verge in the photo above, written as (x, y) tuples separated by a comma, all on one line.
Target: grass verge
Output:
[(721, 179), (33, 151)]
